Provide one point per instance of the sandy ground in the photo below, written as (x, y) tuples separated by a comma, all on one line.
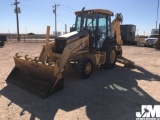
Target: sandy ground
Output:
[(113, 94)]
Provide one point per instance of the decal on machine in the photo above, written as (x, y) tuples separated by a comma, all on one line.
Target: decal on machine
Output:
[(80, 47), (72, 46)]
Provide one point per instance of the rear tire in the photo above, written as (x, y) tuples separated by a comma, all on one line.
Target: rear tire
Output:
[(111, 57), (85, 67)]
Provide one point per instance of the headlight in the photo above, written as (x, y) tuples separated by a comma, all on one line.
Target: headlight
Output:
[(145, 40)]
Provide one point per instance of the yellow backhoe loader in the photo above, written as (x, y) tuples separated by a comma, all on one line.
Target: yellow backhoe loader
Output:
[(94, 41)]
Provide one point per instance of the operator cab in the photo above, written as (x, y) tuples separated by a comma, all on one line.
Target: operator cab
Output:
[(97, 22)]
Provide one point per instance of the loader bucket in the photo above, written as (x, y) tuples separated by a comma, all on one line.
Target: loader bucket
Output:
[(37, 78)]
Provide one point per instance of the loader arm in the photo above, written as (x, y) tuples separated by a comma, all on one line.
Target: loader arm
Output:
[(47, 48), (61, 59)]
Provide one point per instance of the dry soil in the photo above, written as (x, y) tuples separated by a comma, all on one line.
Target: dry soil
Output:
[(112, 94)]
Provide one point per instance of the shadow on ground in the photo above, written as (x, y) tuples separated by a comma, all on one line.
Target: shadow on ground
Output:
[(108, 95)]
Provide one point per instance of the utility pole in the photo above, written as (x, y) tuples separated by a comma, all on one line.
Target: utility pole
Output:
[(157, 13), (137, 32), (17, 10), (55, 12), (9, 35)]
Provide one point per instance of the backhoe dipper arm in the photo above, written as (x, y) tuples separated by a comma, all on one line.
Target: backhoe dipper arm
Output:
[(115, 30)]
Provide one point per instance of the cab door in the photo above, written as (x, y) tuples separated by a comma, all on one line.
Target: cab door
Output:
[(104, 28)]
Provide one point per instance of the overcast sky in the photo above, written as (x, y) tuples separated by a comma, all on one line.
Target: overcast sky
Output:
[(37, 14)]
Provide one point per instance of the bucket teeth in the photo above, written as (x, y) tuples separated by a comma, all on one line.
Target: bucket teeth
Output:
[(20, 57), (26, 57), (51, 64), (40, 62), (17, 55), (36, 59), (46, 64)]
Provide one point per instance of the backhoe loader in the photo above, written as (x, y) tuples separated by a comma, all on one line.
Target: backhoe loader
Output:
[(95, 41)]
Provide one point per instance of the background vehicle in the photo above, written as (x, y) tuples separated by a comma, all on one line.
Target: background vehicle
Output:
[(3, 38), (91, 44), (156, 44), (152, 38)]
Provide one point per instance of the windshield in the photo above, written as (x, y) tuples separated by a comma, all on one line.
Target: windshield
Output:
[(153, 36), (88, 22)]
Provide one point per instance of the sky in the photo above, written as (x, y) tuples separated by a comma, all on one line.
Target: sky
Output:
[(37, 14)]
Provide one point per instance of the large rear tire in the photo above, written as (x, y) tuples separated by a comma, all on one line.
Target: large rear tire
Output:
[(85, 67), (111, 57)]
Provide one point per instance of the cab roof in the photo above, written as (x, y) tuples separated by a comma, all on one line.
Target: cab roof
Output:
[(103, 11)]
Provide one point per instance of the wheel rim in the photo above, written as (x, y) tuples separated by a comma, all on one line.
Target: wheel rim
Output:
[(88, 68), (112, 56)]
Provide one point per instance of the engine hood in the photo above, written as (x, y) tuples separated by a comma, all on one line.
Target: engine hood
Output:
[(72, 35)]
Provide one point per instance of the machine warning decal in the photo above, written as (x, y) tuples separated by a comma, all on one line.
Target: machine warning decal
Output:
[(80, 47), (72, 46)]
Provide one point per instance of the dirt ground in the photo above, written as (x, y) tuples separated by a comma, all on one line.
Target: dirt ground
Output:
[(112, 94)]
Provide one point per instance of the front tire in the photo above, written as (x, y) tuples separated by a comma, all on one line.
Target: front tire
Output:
[(85, 67)]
